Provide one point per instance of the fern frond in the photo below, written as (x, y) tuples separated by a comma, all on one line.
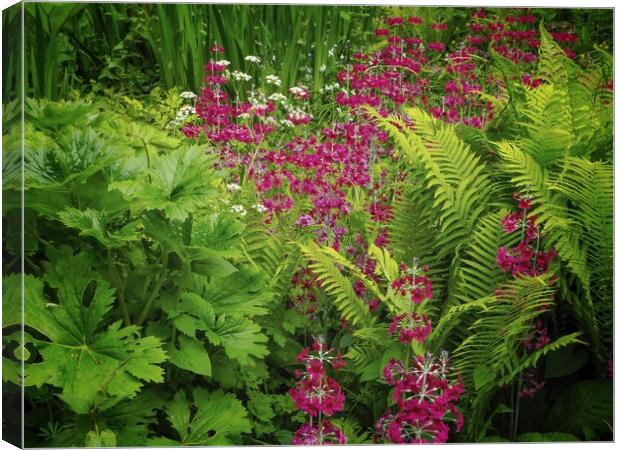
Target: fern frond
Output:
[(496, 336), (339, 287), (533, 358)]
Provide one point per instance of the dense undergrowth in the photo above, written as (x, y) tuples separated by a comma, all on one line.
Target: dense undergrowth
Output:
[(411, 242)]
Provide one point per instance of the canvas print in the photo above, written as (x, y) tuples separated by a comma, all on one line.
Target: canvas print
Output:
[(232, 224)]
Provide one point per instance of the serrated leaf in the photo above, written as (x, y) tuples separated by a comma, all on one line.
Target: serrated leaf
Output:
[(191, 355), (241, 338), (217, 419), (94, 223), (103, 438), (218, 232), (209, 263), (244, 292), (92, 366), (177, 184)]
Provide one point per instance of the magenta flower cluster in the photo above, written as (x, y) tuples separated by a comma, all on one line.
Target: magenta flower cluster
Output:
[(413, 284), (410, 327), (424, 399), (318, 395), (525, 258), (273, 142)]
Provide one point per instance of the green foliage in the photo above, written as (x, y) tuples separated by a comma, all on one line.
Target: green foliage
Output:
[(93, 367), (156, 315), (212, 418), (335, 284), (586, 408), (175, 184)]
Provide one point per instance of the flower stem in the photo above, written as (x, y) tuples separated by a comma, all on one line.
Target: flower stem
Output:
[(156, 288)]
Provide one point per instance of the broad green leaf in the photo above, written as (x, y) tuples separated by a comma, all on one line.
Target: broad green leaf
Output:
[(92, 366), (103, 438), (243, 292), (191, 355), (241, 338), (585, 404), (216, 419), (78, 154), (130, 419), (12, 299), (177, 184), (207, 262), (546, 437), (95, 223), (565, 361), (219, 232)]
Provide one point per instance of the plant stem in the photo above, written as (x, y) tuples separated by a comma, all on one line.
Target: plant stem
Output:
[(120, 287), (156, 288), (148, 160), (516, 415)]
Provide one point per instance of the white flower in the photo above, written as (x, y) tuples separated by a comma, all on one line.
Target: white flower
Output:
[(239, 209), (183, 113), (223, 63), (329, 88), (233, 187), (187, 110), (252, 59), (273, 79), (188, 95), (241, 76), (287, 123), (277, 97), (260, 207), (299, 91), (323, 68)]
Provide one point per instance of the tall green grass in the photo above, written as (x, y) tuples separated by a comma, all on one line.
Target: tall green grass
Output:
[(80, 45)]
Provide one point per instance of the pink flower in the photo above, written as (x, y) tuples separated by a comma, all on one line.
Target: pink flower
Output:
[(410, 327), (319, 434), (305, 220), (424, 398)]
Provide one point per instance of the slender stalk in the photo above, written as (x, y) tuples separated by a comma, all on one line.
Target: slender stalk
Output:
[(516, 415), (120, 286), (156, 288)]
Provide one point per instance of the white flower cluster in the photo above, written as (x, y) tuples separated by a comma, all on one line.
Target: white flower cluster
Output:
[(240, 76), (182, 114), (233, 187), (323, 68), (300, 91), (329, 88), (239, 209), (223, 63), (252, 59), (258, 101), (298, 114), (287, 123), (188, 95), (260, 207), (332, 51), (273, 79), (277, 97)]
